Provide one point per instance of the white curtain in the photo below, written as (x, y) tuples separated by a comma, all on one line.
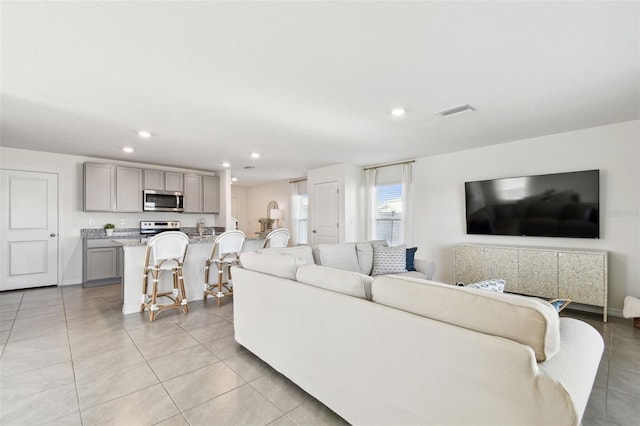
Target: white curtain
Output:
[(407, 204), (372, 202), (295, 214)]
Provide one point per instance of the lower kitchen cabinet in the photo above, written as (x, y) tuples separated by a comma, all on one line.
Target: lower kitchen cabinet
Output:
[(102, 262)]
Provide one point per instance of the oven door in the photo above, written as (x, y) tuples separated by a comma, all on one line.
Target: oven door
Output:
[(162, 201)]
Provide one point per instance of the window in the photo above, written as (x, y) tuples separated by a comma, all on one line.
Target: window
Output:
[(389, 204), (388, 213), (300, 212), (303, 217)]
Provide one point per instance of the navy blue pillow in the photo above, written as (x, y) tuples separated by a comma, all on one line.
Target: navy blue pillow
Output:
[(411, 252)]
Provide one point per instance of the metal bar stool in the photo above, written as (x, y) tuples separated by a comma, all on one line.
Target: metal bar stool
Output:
[(165, 253), (277, 238), (224, 254)]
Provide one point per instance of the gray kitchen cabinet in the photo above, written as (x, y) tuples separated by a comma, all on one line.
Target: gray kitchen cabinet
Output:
[(99, 187), (163, 181), (154, 179), (128, 189), (173, 181), (211, 194), (102, 263), (192, 193)]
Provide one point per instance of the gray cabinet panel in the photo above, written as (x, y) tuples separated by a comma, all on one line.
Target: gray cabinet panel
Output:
[(502, 263), (211, 194), (154, 179), (173, 181), (163, 181), (192, 193), (102, 263), (468, 264), (128, 189), (582, 277), (99, 187), (538, 273)]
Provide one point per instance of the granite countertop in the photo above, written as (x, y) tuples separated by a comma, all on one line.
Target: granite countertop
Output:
[(142, 242)]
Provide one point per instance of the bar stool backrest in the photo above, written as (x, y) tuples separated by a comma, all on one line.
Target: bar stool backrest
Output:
[(229, 242), (277, 238), (169, 245)]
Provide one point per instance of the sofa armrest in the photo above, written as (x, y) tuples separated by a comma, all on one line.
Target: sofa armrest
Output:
[(427, 267)]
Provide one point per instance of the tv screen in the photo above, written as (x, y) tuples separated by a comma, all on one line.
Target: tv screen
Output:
[(553, 205)]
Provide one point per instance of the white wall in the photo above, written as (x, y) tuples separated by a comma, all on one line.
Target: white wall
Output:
[(439, 210), (72, 218), (258, 197)]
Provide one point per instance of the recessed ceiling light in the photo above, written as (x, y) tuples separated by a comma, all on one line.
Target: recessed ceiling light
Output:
[(255, 155), (226, 164), (234, 179), (144, 134), (127, 149), (398, 112)]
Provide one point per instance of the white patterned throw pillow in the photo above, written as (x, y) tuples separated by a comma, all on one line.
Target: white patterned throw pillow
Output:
[(495, 285), (389, 260)]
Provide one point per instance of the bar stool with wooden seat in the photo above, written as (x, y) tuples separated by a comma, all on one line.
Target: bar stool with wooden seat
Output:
[(276, 238), (165, 253), (224, 254)]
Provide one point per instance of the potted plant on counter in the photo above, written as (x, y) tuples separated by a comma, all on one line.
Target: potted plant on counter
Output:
[(108, 228)]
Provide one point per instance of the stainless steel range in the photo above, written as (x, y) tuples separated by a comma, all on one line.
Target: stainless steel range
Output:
[(150, 228)]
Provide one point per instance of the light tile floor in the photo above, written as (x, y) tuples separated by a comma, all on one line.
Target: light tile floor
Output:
[(69, 357)]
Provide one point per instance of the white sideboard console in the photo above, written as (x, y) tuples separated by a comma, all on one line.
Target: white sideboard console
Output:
[(579, 275)]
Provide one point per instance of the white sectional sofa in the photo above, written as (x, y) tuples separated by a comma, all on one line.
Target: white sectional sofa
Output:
[(355, 257), (410, 351)]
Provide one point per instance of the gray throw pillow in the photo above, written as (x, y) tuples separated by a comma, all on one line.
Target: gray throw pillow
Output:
[(389, 260)]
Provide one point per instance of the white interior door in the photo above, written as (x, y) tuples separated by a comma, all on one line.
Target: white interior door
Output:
[(325, 217), (29, 225)]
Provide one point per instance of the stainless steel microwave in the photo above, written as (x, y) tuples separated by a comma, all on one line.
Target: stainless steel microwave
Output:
[(162, 201)]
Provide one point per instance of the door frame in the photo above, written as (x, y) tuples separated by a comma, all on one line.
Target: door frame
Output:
[(60, 231)]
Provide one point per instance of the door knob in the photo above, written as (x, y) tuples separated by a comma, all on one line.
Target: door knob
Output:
[(314, 231), (52, 235)]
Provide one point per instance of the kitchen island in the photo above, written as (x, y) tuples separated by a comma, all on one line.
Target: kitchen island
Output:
[(199, 248)]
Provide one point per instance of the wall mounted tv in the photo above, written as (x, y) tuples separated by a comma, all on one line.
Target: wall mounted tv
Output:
[(553, 205)]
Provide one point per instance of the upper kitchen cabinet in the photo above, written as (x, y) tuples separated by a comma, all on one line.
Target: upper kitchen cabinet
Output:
[(99, 187), (192, 193), (163, 181), (201, 194), (128, 189), (210, 194)]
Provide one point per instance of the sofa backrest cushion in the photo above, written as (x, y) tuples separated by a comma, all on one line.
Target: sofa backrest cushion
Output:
[(364, 251), (279, 265), (527, 320), (345, 282), (339, 256), (302, 252)]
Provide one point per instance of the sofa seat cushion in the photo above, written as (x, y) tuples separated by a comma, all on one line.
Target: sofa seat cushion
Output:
[(339, 256), (345, 282), (301, 252), (526, 320), (279, 265)]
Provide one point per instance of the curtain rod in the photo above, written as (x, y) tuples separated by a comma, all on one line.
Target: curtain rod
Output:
[(298, 180), (389, 165)]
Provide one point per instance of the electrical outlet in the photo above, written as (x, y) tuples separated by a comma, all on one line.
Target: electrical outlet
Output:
[(122, 221), (90, 222)]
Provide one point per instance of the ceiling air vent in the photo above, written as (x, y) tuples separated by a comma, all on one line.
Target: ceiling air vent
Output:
[(248, 167), (456, 110)]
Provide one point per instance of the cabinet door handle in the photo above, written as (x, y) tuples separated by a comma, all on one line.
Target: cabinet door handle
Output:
[(52, 235)]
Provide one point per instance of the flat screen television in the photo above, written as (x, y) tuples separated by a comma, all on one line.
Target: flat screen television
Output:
[(553, 205)]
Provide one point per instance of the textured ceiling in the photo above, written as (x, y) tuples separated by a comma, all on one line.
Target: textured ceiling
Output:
[(309, 84)]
